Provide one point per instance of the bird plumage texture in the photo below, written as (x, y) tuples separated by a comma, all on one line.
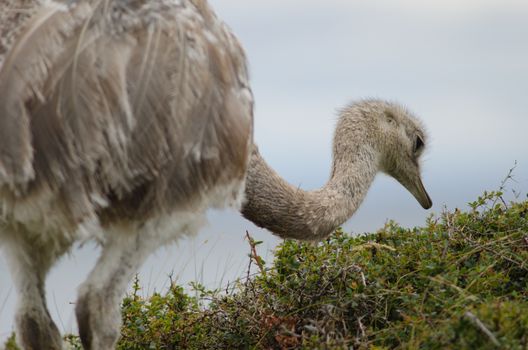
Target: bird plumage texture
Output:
[(370, 136), (71, 107), (115, 116), (13, 14)]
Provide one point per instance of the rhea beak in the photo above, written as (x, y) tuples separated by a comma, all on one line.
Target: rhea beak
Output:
[(419, 192), (413, 183)]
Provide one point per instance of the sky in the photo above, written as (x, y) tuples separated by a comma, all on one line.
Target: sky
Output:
[(460, 65)]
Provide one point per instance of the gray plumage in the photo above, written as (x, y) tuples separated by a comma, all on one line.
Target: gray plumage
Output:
[(370, 136), (115, 117), (123, 121), (74, 120)]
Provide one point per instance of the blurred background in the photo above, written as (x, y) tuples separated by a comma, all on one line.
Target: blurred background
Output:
[(461, 65)]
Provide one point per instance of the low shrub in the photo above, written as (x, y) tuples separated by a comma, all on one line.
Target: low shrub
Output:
[(458, 282)]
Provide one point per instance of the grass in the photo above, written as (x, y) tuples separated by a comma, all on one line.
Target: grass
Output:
[(458, 282)]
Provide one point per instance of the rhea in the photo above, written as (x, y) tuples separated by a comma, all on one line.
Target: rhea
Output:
[(123, 121)]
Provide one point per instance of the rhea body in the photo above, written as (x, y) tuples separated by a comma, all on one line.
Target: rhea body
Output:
[(123, 121)]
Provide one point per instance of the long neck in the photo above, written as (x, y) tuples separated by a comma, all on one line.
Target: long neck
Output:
[(290, 212)]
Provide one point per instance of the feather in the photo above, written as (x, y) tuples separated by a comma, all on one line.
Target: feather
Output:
[(22, 77), (144, 104)]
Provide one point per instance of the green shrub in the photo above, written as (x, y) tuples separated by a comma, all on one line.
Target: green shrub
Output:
[(459, 282), (11, 343)]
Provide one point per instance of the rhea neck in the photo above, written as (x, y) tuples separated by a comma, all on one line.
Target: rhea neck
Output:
[(290, 212)]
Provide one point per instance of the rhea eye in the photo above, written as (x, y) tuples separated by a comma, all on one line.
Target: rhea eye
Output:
[(418, 144), (389, 117)]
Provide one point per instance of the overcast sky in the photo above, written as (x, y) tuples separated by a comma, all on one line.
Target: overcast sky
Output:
[(462, 66)]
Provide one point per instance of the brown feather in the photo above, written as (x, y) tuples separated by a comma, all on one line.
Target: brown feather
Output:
[(125, 102)]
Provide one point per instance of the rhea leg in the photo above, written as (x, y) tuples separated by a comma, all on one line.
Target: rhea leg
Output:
[(29, 261), (98, 304)]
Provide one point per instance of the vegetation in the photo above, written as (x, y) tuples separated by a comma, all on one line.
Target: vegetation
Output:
[(459, 282)]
